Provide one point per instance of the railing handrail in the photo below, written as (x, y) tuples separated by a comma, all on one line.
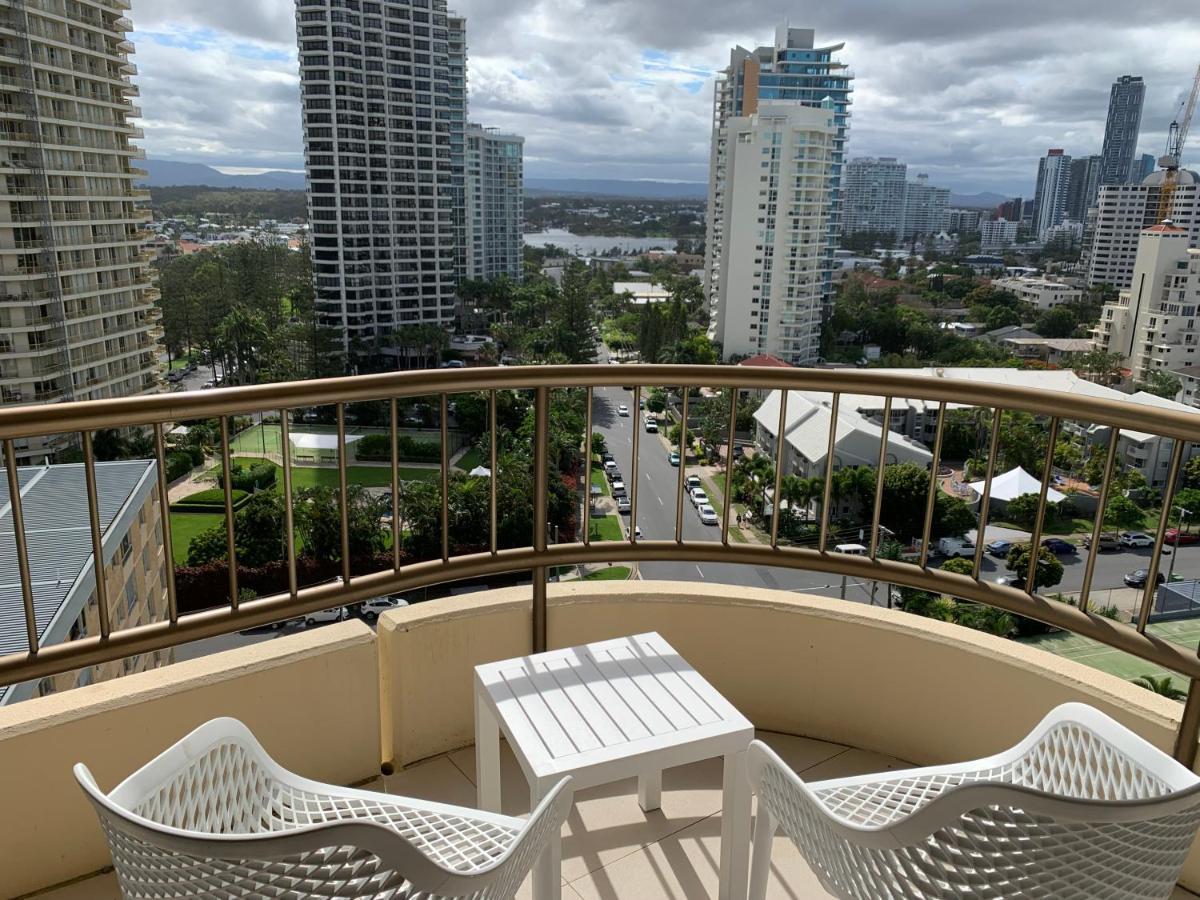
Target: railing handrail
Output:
[(160, 409), (143, 410)]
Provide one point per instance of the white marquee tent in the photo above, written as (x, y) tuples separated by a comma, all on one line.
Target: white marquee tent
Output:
[(1014, 483)]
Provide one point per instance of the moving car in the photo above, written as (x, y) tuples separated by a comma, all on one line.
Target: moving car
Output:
[(618, 488), (1135, 539), (1058, 546), (708, 515), (623, 505), (651, 425), (371, 609), (1137, 578), (1182, 538), (673, 458), (622, 410), (336, 614), (1109, 540), (699, 498), (999, 548)]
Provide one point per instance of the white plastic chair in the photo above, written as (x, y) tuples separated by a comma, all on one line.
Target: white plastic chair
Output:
[(1081, 809), (214, 816)]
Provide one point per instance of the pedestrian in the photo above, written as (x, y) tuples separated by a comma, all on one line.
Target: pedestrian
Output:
[(739, 520)]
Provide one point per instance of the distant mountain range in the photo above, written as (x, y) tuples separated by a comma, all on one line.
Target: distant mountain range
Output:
[(601, 187), (985, 200), (168, 173)]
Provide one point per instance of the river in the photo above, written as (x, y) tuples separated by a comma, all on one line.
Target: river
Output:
[(596, 244)]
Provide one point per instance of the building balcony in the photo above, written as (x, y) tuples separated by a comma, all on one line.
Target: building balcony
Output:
[(836, 687)]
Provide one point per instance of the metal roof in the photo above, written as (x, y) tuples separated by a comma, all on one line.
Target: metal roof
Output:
[(58, 536)]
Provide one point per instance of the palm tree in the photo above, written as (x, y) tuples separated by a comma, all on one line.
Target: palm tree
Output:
[(1163, 685)]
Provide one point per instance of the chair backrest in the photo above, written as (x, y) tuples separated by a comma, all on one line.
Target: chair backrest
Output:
[(215, 816), (981, 830)]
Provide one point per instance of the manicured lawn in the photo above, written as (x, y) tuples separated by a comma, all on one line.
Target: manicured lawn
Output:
[(180, 362), (369, 476), (470, 460), (600, 480), (612, 573), (184, 527), (607, 528)]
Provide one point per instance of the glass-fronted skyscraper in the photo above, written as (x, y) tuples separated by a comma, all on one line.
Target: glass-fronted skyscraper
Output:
[(793, 70), (1121, 130), (384, 110)]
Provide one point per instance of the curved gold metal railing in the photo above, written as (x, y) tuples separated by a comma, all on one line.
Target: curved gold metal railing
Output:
[(157, 410)]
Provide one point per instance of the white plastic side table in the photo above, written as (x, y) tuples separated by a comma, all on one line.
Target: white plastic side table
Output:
[(603, 712)]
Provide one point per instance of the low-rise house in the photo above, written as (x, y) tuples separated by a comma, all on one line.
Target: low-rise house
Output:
[(1054, 351), (1042, 293)]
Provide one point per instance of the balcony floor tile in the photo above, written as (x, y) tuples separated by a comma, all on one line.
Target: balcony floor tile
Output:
[(611, 849)]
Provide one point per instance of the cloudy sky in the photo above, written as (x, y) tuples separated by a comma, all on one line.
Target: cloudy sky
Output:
[(971, 92)]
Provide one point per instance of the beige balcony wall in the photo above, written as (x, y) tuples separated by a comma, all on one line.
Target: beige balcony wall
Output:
[(311, 699), (872, 678)]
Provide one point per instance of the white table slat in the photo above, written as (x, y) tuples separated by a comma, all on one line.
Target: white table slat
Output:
[(527, 712), (641, 689), (566, 715), (611, 726), (672, 674)]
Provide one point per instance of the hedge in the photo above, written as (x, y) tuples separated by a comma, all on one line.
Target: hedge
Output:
[(378, 448), (211, 501), (256, 477), (178, 465)]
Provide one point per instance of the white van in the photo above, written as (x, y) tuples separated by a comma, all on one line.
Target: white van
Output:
[(851, 549), (954, 547)]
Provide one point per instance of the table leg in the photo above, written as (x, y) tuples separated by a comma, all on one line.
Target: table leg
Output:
[(735, 828), (650, 791), (487, 756), (547, 871)]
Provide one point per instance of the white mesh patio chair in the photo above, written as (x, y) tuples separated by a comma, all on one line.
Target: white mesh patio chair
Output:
[(215, 817), (1081, 809)]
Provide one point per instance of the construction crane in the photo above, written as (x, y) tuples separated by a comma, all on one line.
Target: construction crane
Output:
[(1176, 138)]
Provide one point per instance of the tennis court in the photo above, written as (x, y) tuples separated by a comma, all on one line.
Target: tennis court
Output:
[(1186, 633)]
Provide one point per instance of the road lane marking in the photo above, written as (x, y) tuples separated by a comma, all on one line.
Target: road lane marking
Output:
[(659, 499), (698, 572)]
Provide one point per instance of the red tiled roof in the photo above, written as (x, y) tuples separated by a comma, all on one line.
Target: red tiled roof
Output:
[(767, 361), (1165, 228)]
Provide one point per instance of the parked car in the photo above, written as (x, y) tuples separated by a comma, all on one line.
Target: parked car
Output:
[(606, 457), (692, 481), (454, 364), (999, 548), (651, 425), (618, 489), (641, 403), (1135, 539), (623, 505), (1059, 547), (336, 614), (371, 609), (1137, 578), (1109, 540), (622, 410), (738, 451), (698, 496), (610, 464), (708, 515), (673, 458), (614, 474), (1181, 538), (955, 547)]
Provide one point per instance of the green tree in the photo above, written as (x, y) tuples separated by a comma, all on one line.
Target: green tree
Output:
[(1049, 568), (1098, 366), (1161, 384), (318, 521), (1123, 513), (1023, 509), (1059, 322), (1191, 473), (657, 401), (258, 536), (1163, 685)]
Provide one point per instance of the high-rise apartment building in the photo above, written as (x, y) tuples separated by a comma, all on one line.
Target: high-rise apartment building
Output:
[(960, 221), (1010, 209), (77, 313), (383, 92), (495, 213), (774, 217), (1123, 211), (792, 71), (1153, 324), (1050, 197), (1143, 168), (997, 234), (1121, 129), (1083, 187), (873, 195), (924, 208)]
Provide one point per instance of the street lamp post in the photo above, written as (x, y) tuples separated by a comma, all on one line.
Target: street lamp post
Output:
[(1174, 553)]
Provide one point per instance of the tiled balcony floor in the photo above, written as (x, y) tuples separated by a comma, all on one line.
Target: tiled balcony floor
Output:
[(611, 849)]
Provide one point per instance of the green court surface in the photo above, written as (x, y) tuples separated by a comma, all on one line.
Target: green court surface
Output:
[(1185, 632), (368, 476)]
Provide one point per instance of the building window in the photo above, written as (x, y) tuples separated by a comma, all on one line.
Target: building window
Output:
[(146, 560), (46, 686), (124, 550), (130, 596)]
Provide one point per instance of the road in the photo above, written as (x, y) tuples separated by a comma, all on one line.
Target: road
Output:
[(658, 481)]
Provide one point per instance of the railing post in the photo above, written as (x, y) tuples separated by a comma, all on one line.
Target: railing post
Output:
[(1189, 727), (541, 426)]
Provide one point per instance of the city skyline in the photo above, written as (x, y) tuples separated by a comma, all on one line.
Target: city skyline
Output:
[(972, 98)]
